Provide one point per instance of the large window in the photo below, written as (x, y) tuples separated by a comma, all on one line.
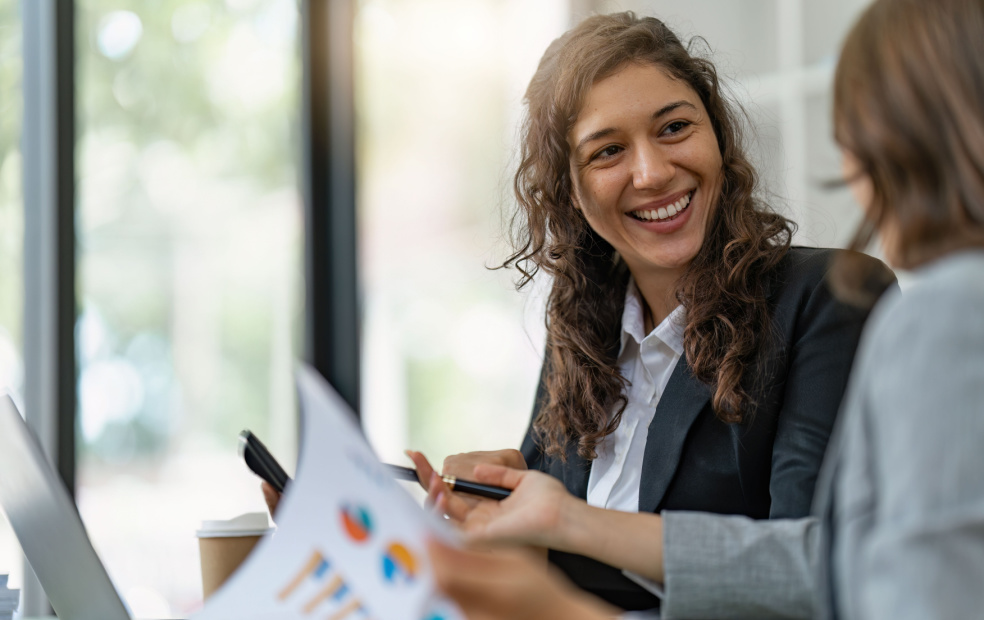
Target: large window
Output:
[(451, 352), (189, 274)]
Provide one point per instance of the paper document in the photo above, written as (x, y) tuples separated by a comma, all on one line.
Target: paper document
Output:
[(350, 543)]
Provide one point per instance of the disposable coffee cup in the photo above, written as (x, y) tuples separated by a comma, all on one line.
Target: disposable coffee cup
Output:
[(225, 544)]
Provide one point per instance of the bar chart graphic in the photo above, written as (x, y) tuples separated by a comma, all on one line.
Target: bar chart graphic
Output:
[(320, 589)]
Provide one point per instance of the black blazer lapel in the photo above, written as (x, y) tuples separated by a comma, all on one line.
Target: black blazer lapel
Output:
[(678, 407), (575, 474)]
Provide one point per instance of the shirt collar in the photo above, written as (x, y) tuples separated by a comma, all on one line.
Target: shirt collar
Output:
[(670, 330)]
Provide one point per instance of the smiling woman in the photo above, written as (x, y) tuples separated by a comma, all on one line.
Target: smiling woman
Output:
[(899, 508), (647, 182), (695, 361), (638, 126)]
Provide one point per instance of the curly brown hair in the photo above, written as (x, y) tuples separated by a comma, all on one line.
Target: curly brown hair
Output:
[(724, 287)]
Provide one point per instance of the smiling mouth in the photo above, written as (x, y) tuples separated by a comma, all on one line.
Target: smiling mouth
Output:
[(663, 214)]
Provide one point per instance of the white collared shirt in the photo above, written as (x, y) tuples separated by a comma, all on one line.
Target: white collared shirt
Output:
[(647, 361)]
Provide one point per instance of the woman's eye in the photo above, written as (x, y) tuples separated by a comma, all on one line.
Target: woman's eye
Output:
[(676, 127), (608, 151)]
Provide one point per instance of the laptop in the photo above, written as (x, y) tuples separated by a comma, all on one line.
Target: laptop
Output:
[(48, 526)]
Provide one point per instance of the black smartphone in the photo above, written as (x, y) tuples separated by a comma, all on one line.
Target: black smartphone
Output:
[(261, 462)]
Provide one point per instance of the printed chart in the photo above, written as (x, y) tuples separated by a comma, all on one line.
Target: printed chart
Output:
[(350, 543)]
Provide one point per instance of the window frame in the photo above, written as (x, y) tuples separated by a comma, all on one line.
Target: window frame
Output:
[(50, 312), (48, 146)]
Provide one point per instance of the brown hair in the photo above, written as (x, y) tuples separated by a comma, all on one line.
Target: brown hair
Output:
[(909, 106), (723, 289)]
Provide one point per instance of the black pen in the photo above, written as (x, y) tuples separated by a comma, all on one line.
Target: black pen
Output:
[(463, 486)]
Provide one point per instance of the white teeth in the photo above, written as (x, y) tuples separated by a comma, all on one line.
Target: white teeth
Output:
[(664, 212)]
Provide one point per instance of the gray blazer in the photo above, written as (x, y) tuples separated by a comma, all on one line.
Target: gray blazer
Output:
[(900, 500)]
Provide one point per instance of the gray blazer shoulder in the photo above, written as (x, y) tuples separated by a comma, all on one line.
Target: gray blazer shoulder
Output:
[(902, 487), (906, 526)]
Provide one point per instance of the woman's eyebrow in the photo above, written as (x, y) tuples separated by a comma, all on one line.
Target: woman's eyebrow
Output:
[(666, 109), (601, 133)]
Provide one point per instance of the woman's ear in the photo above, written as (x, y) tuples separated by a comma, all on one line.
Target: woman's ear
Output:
[(574, 193), (575, 199)]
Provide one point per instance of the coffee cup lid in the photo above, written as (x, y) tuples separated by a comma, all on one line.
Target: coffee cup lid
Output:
[(249, 524)]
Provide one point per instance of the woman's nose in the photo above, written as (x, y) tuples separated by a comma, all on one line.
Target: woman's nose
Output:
[(652, 169)]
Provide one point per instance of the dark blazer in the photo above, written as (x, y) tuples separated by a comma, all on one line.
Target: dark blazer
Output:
[(765, 467)]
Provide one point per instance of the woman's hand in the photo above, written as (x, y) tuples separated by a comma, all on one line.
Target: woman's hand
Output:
[(461, 466), (271, 497), (540, 512), (536, 513), (429, 479), (510, 585)]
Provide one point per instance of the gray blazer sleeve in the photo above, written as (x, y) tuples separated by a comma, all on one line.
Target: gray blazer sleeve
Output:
[(726, 566)]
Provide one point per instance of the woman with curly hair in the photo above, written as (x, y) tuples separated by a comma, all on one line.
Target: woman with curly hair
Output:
[(899, 526), (695, 360)]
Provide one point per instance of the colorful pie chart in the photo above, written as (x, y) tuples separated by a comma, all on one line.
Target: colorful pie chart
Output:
[(399, 564), (356, 522)]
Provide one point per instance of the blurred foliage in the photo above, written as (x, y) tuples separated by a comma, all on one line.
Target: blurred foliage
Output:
[(180, 149), (11, 211), (161, 89)]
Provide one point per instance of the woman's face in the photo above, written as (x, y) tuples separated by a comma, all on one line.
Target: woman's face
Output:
[(646, 168)]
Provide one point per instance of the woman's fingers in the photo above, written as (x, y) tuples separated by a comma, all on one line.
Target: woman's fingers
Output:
[(462, 568), (456, 507), (271, 497), (435, 487), (499, 475), (458, 573), (445, 502), (508, 586), (424, 469), (462, 465), (440, 497)]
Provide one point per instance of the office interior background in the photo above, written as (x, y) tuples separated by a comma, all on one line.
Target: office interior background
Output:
[(167, 253)]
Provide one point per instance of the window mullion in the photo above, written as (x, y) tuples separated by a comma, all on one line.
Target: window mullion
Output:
[(47, 145)]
